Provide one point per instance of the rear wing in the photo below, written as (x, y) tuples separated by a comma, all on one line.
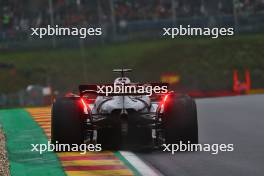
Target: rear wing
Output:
[(122, 71), (148, 89)]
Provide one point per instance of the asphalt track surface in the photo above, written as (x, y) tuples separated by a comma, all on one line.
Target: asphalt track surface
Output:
[(235, 120)]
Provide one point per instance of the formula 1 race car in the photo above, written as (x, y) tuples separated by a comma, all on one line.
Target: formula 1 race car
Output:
[(114, 118)]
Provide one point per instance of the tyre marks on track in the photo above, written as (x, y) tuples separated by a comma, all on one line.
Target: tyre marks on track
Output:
[(75, 164)]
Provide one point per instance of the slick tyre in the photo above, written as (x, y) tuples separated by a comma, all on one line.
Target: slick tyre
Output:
[(67, 122), (180, 116)]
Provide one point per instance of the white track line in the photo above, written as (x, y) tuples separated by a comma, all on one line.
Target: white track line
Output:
[(139, 165)]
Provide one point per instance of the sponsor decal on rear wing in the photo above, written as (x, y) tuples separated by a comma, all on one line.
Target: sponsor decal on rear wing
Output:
[(122, 89)]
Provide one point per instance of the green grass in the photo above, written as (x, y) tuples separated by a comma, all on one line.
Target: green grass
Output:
[(202, 63), (21, 132)]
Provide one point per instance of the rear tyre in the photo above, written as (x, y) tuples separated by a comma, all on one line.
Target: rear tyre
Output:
[(67, 122), (180, 116)]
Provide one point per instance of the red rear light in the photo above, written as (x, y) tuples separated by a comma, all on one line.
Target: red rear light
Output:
[(165, 98), (84, 106), (163, 102), (83, 103)]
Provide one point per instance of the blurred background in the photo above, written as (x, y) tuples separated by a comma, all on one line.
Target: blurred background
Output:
[(33, 70)]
